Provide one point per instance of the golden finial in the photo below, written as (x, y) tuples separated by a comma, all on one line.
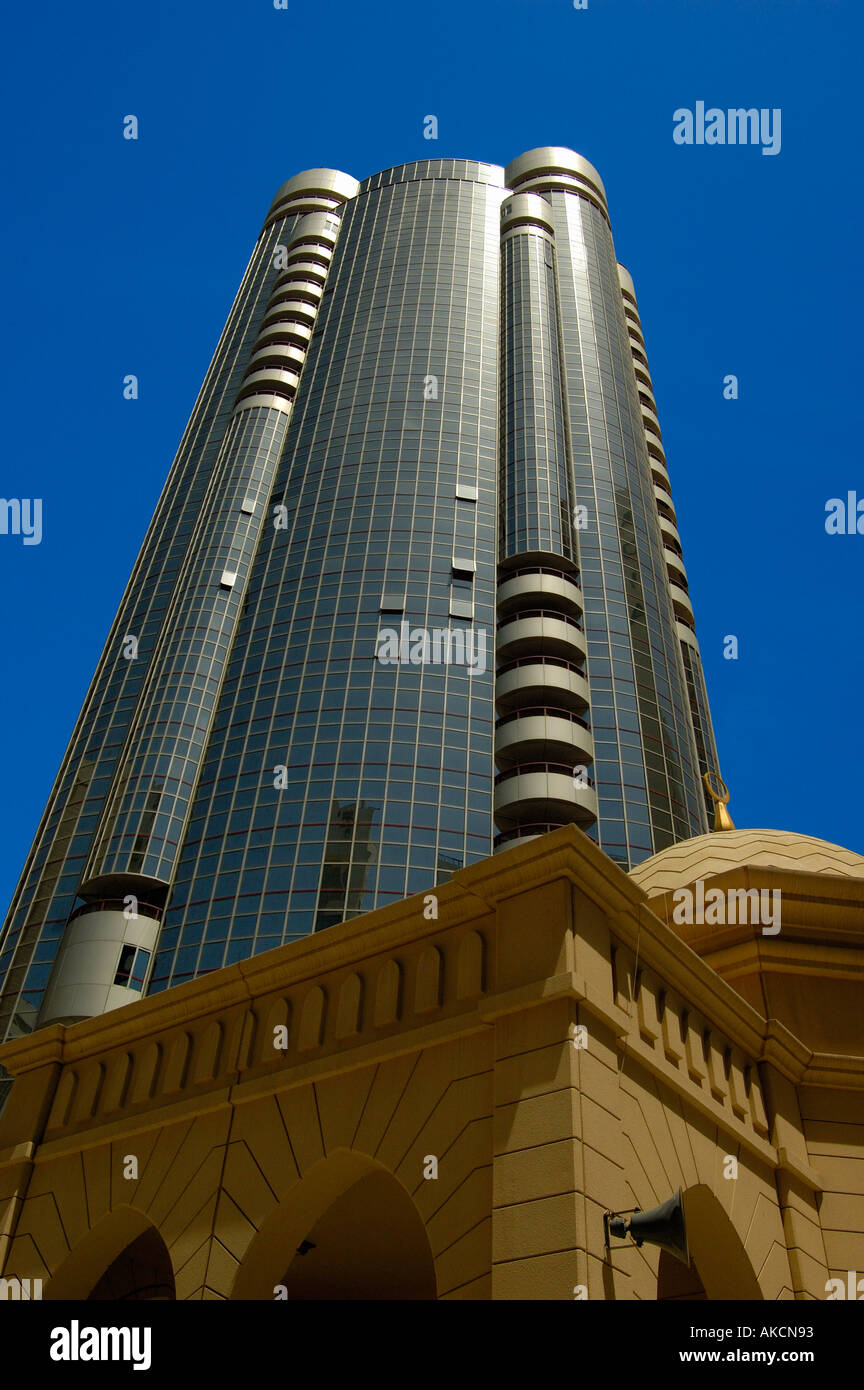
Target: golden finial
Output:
[(722, 819)]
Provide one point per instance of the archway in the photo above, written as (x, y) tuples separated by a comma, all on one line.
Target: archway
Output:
[(719, 1265), (122, 1258), (347, 1231)]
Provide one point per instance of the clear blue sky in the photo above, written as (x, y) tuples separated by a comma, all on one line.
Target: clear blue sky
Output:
[(125, 256)]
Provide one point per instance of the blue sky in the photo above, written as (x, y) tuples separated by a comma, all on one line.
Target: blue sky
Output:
[(125, 256)]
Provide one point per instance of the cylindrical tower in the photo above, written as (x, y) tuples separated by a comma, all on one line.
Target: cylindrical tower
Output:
[(132, 760), (351, 757), (413, 591), (646, 764), (543, 743)]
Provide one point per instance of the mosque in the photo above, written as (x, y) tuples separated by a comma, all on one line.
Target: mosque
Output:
[(494, 1100)]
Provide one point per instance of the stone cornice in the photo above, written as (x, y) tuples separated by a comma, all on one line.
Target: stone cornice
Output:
[(464, 902)]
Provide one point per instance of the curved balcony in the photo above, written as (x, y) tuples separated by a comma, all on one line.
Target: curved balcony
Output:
[(275, 352), (284, 334), (663, 496), (542, 792), (675, 568), (315, 227), (537, 680), (297, 285), (542, 733), (670, 530), (299, 333), (271, 400), (521, 834), (309, 270), (682, 605), (541, 632), (526, 210), (306, 291), (651, 425), (311, 249), (659, 474), (116, 905), (292, 308), (552, 167), (327, 183), (539, 586), (306, 202), (625, 282), (270, 376)]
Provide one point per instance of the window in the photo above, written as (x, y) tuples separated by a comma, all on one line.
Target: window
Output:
[(132, 967), (463, 567), (392, 603)]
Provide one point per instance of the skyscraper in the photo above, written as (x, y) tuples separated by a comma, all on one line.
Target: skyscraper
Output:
[(413, 591)]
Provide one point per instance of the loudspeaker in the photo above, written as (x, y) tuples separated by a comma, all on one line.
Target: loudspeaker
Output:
[(663, 1226)]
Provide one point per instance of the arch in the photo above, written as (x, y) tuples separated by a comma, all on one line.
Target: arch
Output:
[(348, 1011), (387, 993), (311, 1033), (719, 1265), (427, 990), (364, 1238), (122, 1257)]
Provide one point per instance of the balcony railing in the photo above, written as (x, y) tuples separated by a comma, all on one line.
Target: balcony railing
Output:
[(542, 661), (504, 575), (117, 905), (523, 832), (563, 770), (541, 613), (549, 711)]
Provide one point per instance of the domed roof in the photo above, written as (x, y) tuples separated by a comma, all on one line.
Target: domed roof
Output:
[(722, 850)]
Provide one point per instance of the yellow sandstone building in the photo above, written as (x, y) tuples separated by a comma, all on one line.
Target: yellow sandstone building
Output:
[(442, 1099)]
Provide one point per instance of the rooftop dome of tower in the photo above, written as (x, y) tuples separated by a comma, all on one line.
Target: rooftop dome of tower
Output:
[(707, 855)]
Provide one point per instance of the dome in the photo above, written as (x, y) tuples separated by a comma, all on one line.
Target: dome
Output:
[(723, 850)]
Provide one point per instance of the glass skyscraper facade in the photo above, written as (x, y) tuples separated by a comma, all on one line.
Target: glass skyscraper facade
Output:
[(413, 592)]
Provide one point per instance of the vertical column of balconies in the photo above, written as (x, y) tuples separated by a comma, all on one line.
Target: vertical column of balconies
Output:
[(273, 372), (672, 549), (543, 742), (673, 554), (140, 833)]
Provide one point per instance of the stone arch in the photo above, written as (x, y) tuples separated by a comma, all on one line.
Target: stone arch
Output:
[(719, 1265), (364, 1238), (122, 1257)]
